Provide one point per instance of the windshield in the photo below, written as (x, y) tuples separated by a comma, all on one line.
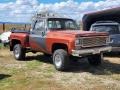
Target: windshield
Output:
[(111, 29), (62, 24)]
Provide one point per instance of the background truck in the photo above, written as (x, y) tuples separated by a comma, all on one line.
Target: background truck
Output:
[(109, 18), (113, 28), (103, 15), (60, 38)]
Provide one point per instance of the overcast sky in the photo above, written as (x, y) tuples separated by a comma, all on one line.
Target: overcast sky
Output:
[(22, 10)]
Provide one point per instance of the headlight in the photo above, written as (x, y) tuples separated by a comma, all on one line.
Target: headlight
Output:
[(78, 42)]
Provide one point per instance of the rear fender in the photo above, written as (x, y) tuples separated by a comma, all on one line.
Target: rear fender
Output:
[(13, 43)]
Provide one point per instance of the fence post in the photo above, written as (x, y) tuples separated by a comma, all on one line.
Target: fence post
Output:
[(3, 27), (25, 26)]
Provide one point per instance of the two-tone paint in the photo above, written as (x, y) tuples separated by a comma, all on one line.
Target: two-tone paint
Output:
[(45, 43)]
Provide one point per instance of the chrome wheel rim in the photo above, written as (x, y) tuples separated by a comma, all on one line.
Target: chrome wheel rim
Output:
[(16, 52), (58, 61)]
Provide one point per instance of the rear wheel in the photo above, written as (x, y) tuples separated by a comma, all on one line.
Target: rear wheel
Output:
[(95, 59), (19, 52), (61, 60)]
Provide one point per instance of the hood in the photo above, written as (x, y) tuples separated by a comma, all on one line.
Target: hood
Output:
[(80, 33)]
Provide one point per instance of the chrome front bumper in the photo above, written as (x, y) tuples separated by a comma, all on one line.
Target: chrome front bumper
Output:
[(91, 51)]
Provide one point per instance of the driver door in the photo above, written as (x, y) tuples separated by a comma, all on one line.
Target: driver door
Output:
[(38, 36)]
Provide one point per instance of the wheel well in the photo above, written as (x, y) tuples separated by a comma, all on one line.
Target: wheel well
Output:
[(59, 46), (13, 43)]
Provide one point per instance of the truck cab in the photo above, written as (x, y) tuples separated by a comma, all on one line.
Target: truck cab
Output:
[(111, 27), (42, 26)]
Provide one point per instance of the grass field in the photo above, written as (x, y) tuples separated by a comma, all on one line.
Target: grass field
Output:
[(38, 73), (1, 45)]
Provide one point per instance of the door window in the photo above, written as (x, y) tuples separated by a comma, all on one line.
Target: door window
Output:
[(39, 26)]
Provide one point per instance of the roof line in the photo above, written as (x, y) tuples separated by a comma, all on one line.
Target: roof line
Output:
[(105, 10)]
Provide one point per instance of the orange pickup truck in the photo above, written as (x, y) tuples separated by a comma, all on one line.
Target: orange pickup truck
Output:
[(60, 38)]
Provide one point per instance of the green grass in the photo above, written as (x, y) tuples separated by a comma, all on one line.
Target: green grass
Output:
[(33, 64), (1, 45)]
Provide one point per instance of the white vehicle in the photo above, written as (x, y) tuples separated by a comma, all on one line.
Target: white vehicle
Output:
[(4, 37)]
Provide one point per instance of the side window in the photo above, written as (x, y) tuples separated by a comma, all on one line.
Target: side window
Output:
[(39, 25), (39, 28)]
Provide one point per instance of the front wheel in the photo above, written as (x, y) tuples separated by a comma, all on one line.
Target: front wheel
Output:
[(95, 59), (61, 59), (19, 52)]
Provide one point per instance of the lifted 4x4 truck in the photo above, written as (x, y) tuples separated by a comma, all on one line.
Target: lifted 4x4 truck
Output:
[(60, 38)]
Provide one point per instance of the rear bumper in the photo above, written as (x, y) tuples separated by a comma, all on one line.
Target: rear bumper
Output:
[(91, 51)]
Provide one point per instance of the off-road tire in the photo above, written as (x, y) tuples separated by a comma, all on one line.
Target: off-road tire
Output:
[(19, 52), (61, 60)]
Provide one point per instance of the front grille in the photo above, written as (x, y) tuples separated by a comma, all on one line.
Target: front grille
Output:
[(93, 41)]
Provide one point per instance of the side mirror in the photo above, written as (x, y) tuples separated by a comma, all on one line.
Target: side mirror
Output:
[(43, 33)]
